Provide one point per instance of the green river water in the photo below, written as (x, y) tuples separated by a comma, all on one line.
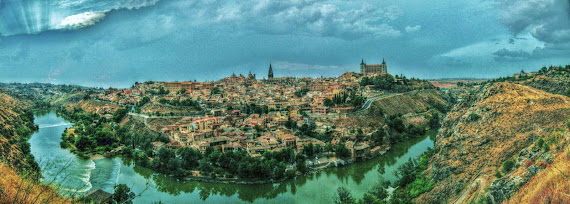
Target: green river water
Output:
[(80, 176)]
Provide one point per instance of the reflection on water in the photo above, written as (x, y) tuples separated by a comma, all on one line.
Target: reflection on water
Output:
[(319, 187)]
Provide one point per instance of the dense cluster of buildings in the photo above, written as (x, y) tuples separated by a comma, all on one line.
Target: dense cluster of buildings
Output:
[(241, 112)]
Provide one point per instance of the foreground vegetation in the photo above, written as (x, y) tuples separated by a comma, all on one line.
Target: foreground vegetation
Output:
[(412, 183), (19, 172)]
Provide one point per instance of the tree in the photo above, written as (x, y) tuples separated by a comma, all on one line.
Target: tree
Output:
[(141, 158), (215, 90), (189, 157), (300, 160), (258, 128), (474, 117), (395, 122), (368, 198), (434, 120), (378, 137), (291, 124), (119, 114), (83, 143), (164, 160), (508, 166), (123, 194), (357, 101), (309, 150), (384, 82), (343, 196), (342, 151), (328, 102)]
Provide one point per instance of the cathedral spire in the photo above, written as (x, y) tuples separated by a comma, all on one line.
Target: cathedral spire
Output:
[(383, 62), (270, 74)]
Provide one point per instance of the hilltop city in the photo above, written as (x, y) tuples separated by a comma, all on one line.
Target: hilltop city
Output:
[(244, 113)]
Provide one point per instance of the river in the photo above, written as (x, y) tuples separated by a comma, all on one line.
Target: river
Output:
[(76, 176)]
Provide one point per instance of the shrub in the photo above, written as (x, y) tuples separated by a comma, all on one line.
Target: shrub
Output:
[(508, 166), (498, 174), (474, 117), (540, 142)]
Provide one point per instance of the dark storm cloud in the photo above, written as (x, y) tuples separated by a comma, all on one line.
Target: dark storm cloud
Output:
[(547, 20), (504, 53)]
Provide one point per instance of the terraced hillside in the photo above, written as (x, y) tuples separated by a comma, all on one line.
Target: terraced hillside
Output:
[(489, 146)]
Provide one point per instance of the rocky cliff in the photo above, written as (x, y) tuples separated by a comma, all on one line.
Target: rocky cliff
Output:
[(487, 146)]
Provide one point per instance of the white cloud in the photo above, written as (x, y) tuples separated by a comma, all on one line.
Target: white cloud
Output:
[(36, 16), (415, 28), (305, 17), (81, 20)]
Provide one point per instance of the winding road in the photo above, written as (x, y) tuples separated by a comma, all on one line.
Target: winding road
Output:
[(369, 101)]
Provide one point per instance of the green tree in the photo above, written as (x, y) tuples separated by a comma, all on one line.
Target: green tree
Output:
[(189, 157), (83, 143), (378, 136), (342, 151), (328, 102), (119, 114), (357, 101), (300, 163), (216, 90), (474, 117), (434, 120), (508, 166), (343, 196), (308, 149), (123, 194)]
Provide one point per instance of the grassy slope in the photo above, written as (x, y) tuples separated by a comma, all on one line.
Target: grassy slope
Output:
[(552, 185), (409, 102), (510, 117), (14, 189)]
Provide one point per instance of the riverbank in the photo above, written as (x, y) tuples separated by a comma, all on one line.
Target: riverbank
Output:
[(318, 186), (313, 165)]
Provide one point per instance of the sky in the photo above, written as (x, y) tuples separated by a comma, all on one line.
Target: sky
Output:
[(115, 43)]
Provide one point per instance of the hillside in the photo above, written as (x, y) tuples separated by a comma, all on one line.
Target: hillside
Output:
[(16, 125), (19, 173), (409, 102), (554, 79), (499, 126)]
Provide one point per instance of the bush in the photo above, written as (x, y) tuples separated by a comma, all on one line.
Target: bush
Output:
[(474, 117), (498, 174), (540, 142), (343, 196), (342, 151), (508, 166)]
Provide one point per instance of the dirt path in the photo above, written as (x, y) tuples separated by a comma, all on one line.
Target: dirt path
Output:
[(478, 184)]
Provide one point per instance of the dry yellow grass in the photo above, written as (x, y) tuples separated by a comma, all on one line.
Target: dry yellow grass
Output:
[(551, 185), (14, 189), (511, 116)]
